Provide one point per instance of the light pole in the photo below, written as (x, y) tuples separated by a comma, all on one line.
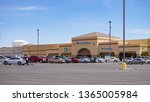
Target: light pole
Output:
[(124, 30), (124, 64), (29, 49), (37, 41), (110, 37)]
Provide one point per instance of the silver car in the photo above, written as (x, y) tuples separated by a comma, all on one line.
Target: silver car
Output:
[(148, 61), (2, 59), (83, 60), (18, 61), (101, 60)]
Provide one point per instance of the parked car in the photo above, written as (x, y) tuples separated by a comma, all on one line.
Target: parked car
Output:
[(101, 60), (143, 57), (35, 59), (74, 60), (44, 59), (84, 60), (128, 59), (136, 61), (8, 57), (19, 61), (56, 60), (112, 59), (148, 61), (2, 59), (67, 60)]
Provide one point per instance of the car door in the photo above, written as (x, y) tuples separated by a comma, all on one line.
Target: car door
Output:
[(10, 61), (139, 61), (16, 60), (134, 61), (13, 60)]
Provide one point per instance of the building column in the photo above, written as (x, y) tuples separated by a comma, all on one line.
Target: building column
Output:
[(138, 54)]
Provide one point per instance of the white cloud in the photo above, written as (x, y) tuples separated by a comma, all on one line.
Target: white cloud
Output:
[(139, 31), (30, 8)]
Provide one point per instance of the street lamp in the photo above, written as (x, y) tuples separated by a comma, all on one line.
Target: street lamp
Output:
[(124, 64), (110, 37), (124, 30), (37, 41), (29, 49)]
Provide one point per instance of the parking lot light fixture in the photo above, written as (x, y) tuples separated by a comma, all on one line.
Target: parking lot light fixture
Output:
[(110, 37), (124, 64), (37, 41), (123, 30)]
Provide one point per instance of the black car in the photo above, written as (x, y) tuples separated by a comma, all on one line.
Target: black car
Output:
[(136, 61)]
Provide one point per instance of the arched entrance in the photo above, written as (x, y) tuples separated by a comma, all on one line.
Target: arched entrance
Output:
[(84, 52)]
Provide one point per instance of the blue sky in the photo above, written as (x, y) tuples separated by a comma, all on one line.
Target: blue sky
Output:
[(60, 20)]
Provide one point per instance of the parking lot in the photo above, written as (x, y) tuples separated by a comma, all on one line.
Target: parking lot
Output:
[(75, 74)]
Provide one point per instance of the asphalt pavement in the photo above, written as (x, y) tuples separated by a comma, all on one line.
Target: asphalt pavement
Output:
[(75, 74)]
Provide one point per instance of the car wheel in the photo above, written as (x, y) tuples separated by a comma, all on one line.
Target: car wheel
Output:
[(130, 63), (141, 63), (19, 63), (148, 62), (5, 63)]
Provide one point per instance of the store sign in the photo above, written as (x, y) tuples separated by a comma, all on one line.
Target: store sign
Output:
[(65, 49), (104, 49), (80, 43)]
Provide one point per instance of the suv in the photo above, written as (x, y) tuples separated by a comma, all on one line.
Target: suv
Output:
[(35, 59), (136, 61)]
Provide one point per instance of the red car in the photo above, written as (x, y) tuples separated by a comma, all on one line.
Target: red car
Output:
[(44, 59), (35, 59), (74, 60)]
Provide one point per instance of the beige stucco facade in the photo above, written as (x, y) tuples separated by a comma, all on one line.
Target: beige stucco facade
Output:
[(11, 51), (91, 44)]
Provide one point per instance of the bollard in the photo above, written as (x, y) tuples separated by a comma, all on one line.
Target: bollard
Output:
[(123, 66)]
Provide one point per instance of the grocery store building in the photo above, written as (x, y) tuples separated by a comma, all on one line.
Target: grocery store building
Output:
[(91, 44)]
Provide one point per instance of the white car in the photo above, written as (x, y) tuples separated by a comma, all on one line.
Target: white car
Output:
[(127, 60), (18, 61), (113, 59), (101, 60), (2, 59), (148, 61)]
